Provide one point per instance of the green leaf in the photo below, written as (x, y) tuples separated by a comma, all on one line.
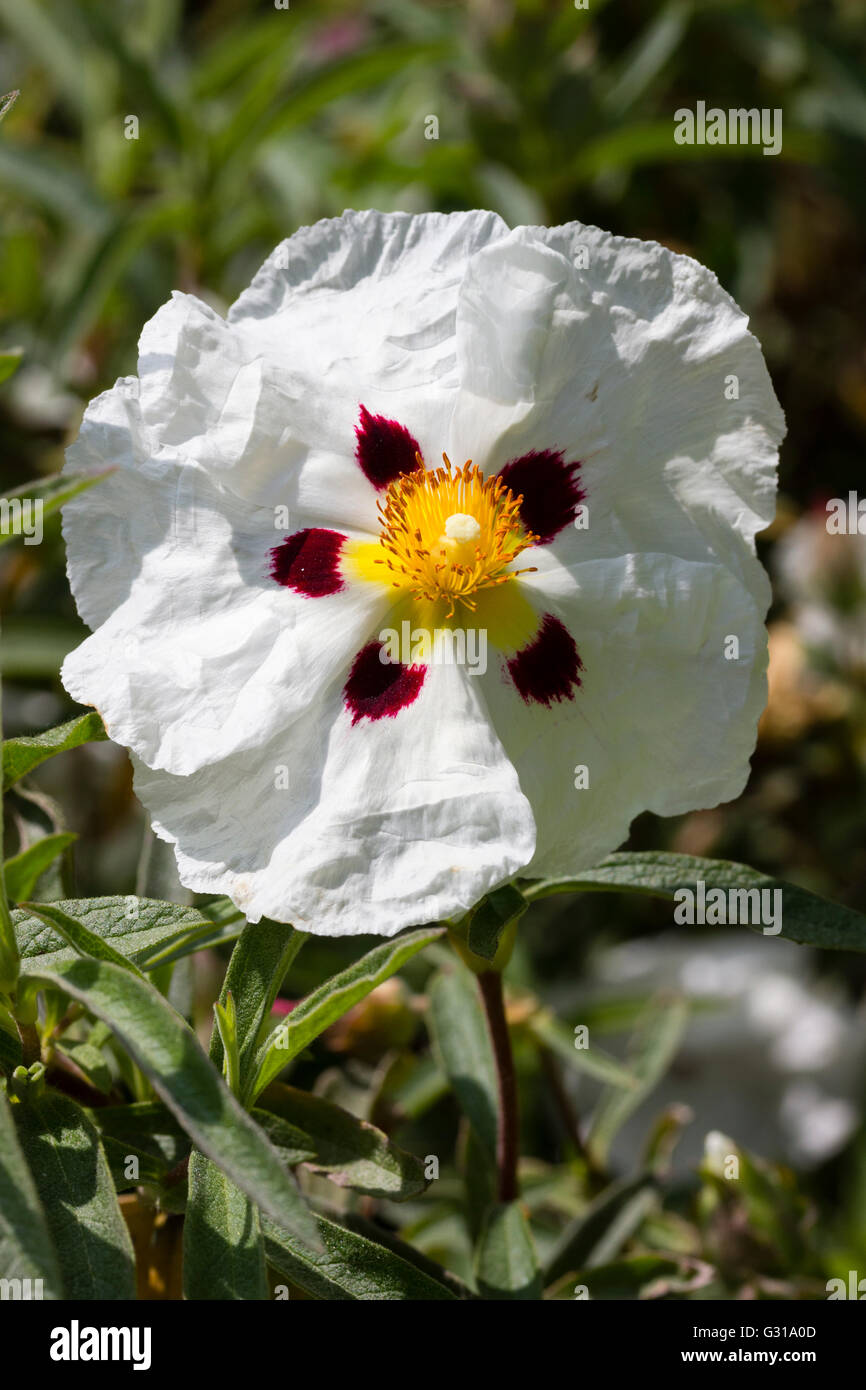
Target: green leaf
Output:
[(26, 1251), (10, 360), (51, 493), (331, 1000), (145, 1126), (144, 931), (259, 963), (49, 180), (592, 1061), (23, 871), (806, 918), (597, 1235), (22, 755), (148, 1169), (627, 1280), (651, 1050), (226, 1026), (506, 1265), (169, 1054), (89, 1060), (7, 101), (329, 1140), (350, 1267), (223, 1250), (73, 1179), (83, 941), (492, 917), (10, 1041), (320, 90), (462, 1042)]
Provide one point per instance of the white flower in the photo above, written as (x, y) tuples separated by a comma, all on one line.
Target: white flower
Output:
[(623, 433)]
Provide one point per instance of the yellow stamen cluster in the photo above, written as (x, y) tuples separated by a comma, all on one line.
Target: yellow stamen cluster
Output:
[(426, 555)]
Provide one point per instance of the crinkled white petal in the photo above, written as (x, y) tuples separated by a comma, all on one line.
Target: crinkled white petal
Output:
[(345, 829), (487, 344), (629, 365), (196, 652), (662, 720)]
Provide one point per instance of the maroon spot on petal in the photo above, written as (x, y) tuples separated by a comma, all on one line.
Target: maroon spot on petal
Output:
[(376, 689), (385, 449), (548, 669), (309, 562), (550, 489)]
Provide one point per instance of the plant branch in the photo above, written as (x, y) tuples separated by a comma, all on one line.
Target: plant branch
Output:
[(490, 984)]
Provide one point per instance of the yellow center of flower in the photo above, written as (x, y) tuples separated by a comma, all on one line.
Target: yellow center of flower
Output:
[(448, 534)]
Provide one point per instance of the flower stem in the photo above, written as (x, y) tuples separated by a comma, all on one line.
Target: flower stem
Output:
[(490, 984)]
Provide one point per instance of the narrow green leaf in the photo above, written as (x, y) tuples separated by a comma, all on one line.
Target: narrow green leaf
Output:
[(7, 101), (10, 1042), (81, 939), (226, 1023), (145, 931), (492, 917), (144, 1126), (651, 1050), (462, 1042), (600, 1231), (223, 1250), (73, 1179), (26, 1251), (23, 871), (805, 917), (10, 360), (506, 1264), (351, 1152), (169, 1054), (89, 1060), (22, 755), (259, 964), (590, 1060), (50, 494), (37, 175), (351, 1267), (331, 1000), (147, 1169)]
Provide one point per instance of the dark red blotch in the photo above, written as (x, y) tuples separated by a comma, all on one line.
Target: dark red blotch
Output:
[(550, 488), (378, 689), (385, 449), (549, 668), (309, 562)]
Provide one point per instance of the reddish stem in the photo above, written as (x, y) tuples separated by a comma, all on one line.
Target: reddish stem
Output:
[(490, 983)]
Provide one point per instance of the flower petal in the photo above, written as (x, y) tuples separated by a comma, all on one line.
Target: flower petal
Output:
[(309, 562), (662, 721), (550, 490), (197, 652), (384, 449), (548, 669), (377, 823), (378, 689)]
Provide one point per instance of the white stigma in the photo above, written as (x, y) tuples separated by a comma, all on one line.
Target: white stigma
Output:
[(462, 527)]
